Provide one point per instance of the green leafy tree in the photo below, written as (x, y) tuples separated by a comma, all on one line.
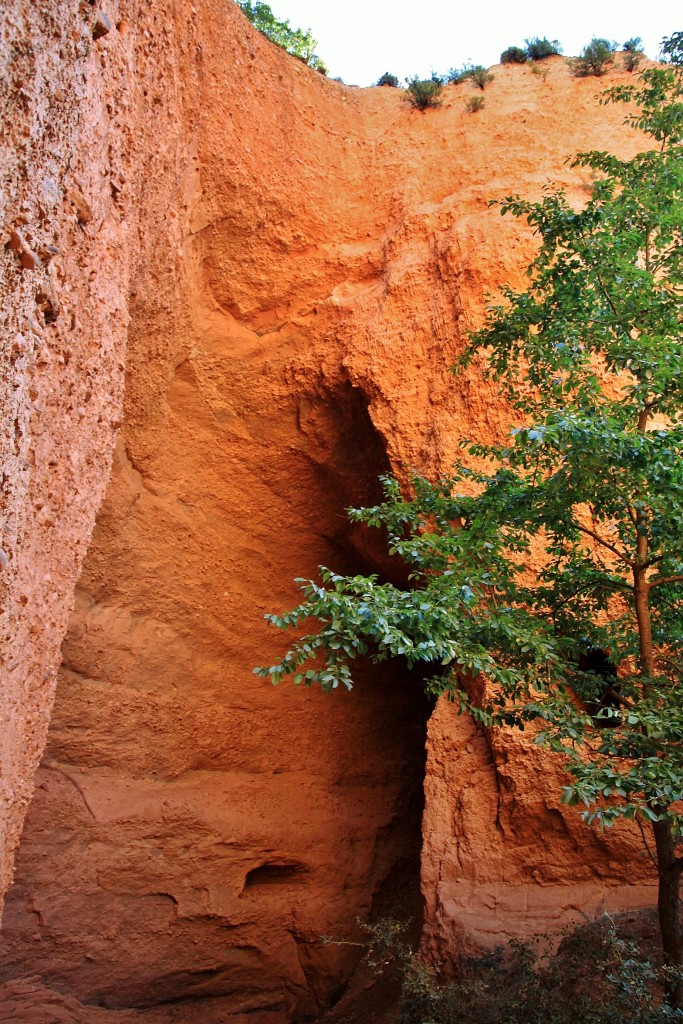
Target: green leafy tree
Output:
[(295, 41), (552, 565)]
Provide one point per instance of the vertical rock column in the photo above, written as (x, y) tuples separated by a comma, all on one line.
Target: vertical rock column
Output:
[(74, 87)]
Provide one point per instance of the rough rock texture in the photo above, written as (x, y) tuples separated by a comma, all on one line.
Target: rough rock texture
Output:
[(502, 857), (27, 1001), (77, 161), (293, 265)]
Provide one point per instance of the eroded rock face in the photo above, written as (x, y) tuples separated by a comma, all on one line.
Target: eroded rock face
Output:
[(68, 209), (293, 270), (503, 858)]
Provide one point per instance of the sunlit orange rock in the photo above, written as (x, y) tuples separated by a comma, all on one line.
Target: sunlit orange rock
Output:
[(261, 282)]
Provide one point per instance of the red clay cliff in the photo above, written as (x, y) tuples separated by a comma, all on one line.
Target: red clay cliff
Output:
[(232, 292)]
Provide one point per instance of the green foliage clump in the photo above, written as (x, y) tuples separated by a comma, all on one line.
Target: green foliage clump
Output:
[(633, 53), (425, 92), (474, 103), (388, 79), (514, 55), (476, 73), (539, 49), (295, 41), (595, 59), (480, 76), (456, 75)]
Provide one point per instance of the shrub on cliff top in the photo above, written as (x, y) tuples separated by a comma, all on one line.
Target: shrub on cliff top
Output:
[(387, 79), (595, 59), (456, 75), (425, 93), (514, 55), (539, 49), (633, 53)]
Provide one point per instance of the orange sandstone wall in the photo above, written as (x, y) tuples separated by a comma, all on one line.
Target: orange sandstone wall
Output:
[(502, 857), (287, 270)]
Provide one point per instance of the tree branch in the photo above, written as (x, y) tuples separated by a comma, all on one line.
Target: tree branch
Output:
[(665, 579), (645, 842), (609, 691), (606, 544), (608, 298), (591, 585)]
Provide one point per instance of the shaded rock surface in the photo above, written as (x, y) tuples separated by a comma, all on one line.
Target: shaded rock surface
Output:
[(270, 274)]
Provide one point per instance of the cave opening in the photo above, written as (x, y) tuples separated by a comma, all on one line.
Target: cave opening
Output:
[(599, 686), (350, 461), (147, 874)]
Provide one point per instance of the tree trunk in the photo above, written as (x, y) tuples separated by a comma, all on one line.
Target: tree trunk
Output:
[(669, 871), (668, 864)]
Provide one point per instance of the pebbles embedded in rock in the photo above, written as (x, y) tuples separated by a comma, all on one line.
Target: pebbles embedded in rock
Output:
[(101, 26), (83, 211), (18, 243)]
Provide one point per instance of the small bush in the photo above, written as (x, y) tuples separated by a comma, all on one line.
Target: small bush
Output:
[(474, 103), (424, 93), (541, 70), (387, 79), (633, 53), (514, 55), (480, 76), (539, 49), (595, 58)]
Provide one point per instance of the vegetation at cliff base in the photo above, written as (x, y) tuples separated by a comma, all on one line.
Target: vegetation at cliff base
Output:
[(295, 41), (600, 973)]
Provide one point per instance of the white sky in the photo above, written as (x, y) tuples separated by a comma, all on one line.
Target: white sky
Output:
[(360, 39)]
